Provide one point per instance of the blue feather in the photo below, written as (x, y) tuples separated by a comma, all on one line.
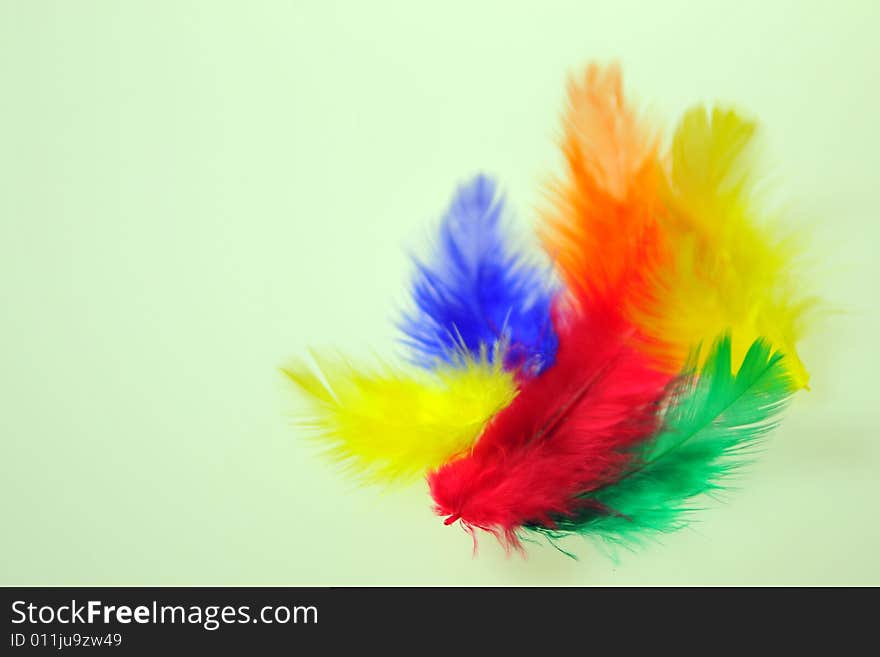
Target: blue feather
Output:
[(478, 292)]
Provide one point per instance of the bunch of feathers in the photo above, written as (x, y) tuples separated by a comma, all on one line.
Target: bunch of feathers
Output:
[(599, 396)]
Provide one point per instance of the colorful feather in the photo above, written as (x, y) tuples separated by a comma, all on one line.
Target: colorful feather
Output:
[(477, 290), (566, 432), (727, 272), (710, 426), (585, 409), (389, 424), (601, 228)]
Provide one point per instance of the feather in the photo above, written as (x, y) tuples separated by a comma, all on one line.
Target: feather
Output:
[(710, 426), (391, 424), (601, 227), (727, 271), (477, 290), (565, 432)]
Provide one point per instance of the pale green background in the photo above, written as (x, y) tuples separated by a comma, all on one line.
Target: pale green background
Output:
[(193, 192)]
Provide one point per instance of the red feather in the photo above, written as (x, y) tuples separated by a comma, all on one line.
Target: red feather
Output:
[(564, 434)]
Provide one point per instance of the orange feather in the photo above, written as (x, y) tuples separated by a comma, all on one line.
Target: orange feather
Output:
[(601, 226)]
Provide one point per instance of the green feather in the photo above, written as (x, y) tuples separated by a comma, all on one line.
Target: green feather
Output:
[(710, 424)]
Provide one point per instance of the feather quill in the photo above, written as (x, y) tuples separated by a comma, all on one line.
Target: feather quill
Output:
[(477, 291), (566, 432), (711, 424), (390, 424), (727, 271)]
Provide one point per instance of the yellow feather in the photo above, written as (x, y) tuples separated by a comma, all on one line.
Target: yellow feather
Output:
[(389, 424), (727, 271)]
